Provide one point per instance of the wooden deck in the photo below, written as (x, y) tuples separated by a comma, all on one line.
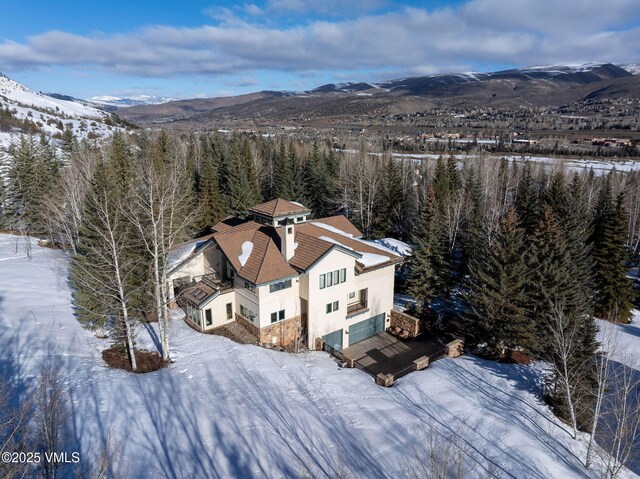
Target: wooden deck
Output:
[(386, 354)]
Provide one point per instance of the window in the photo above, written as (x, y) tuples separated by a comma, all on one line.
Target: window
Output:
[(208, 318), (335, 277), (250, 287), (279, 286), (289, 230), (277, 316), (352, 295), (229, 311), (247, 313), (331, 307)]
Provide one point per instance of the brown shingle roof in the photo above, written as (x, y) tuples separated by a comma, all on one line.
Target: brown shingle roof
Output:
[(265, 262), (308, 251), (233, 223), (279, 207), (331, 237), (342, 223)]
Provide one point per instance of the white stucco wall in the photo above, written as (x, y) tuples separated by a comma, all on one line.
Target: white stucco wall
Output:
[(246, 298), (218, 309), (380, 284), (319, 322), (287, 299)]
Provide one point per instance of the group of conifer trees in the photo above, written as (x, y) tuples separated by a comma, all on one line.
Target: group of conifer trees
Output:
[(526, 266)]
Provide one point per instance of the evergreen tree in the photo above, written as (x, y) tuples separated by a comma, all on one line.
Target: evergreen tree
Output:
[(553, 286), (474, 219), (496, 290), (428, 267), (33, 170), (614, 291), (441, 183), (283, 174), (392, 201), (527, 204), (319, 188), (235, 181), (249, 173), (210, 198)]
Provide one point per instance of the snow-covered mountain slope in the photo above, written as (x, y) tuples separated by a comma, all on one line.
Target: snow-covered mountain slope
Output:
[(226, 410), (29, 111), (633, 68), (120, 102)]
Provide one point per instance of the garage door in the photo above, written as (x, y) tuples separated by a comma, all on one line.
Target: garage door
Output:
[(365, 329), (334, 339)]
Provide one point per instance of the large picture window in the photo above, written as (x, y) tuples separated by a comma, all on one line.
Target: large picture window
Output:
[(279, 286)]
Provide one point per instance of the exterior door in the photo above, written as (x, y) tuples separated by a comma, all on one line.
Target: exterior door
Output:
[(365, 329), (334, 339)]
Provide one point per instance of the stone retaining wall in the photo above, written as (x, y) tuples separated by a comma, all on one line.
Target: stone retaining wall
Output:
[(282, 333), (406, 321)]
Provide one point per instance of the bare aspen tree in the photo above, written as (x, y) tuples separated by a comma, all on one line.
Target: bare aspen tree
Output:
[(104, 463), (64, 207), (619, 422), (162, 212), (51, 418), (14, 432), (608, 343), (564, 343)]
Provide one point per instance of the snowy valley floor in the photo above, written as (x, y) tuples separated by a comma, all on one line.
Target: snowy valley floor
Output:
[(235, 411)]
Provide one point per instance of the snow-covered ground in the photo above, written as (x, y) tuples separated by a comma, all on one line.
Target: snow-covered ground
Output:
[(239, 411), (600, 167)]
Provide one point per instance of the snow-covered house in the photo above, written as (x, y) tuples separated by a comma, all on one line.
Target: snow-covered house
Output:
[(286, 277)]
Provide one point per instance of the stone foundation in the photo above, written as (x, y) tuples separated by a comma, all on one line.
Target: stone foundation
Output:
[(455, 348), (282, 333), (385, 380), (406, 322), (421, 363), (248, 325)]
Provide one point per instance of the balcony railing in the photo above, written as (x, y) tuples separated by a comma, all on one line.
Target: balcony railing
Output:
[(356, 308)]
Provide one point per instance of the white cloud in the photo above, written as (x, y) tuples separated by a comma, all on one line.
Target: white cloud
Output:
[(412, 39)]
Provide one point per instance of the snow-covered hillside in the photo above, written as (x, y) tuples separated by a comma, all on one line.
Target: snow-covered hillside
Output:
[(50, 115), (233, 411), (633, 68), (120, 102)]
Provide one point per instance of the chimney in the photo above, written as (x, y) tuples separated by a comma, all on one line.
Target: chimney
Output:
[(287, 235)]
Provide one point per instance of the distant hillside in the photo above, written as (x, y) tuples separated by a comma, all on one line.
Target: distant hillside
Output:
[(327, 104)]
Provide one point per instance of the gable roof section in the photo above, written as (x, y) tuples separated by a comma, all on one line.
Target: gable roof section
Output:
[(184, 252), (371, 256), (279, 207), (265, 263)]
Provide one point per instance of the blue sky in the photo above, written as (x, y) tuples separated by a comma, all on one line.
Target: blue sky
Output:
[(195, 48)]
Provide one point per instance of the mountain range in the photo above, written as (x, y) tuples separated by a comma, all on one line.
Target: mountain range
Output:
[(342, 102)]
